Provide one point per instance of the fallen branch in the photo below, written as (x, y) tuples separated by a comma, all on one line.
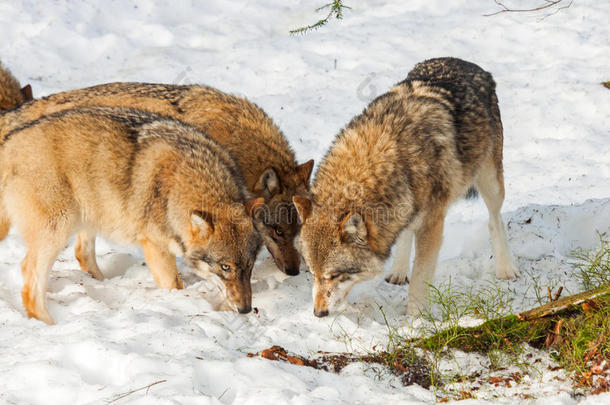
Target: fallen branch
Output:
[(556, 306)]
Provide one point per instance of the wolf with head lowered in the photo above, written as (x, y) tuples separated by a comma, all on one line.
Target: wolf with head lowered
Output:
[(392, 173), (135, 177)]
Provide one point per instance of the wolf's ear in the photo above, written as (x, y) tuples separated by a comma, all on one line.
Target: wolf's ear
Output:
[(26, 92), (252, 207), (303, 206), (304, 171), (353, 228), (202, 224), (268, 183)]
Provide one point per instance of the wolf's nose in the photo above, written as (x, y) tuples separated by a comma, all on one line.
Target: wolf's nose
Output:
[(244, 310), (320, 314), (292, 272)]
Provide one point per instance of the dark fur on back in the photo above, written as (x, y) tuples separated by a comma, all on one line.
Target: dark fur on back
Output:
[(136, 124), (471, 92)]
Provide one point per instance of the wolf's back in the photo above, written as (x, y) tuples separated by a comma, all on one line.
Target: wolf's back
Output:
[(470, 92), (458, 77)]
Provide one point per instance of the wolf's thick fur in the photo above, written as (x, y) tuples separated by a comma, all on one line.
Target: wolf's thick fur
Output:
[(135, 177), (262, 152), (11, 93), (391, 175)]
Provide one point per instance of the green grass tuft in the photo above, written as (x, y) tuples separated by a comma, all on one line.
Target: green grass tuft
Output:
[(578, 339), (501, 334), (593, 265)]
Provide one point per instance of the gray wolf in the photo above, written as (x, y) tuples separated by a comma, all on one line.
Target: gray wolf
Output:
[(390, 176), (135, 177)]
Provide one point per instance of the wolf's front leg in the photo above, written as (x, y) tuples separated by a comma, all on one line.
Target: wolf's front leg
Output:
[(401, 265), (428, 239), (162, 265)]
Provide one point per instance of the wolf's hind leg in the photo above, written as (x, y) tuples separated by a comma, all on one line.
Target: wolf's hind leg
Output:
[(162, 265), (490, 183), (428, 239), (401, 265), (5, 225), (84, 250), (43, 248)]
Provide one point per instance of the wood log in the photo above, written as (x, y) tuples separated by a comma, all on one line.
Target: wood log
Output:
[(562, 304)]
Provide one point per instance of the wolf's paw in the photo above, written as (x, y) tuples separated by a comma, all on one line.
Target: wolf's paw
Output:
[(96, 274), (507, 272), (397, 279)]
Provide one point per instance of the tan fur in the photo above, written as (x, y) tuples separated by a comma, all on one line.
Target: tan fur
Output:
[(235, 123), (134, 177), (394, 170)]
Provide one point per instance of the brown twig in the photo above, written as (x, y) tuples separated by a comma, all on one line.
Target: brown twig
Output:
[(558, 293), (121, 396), (547, 4)]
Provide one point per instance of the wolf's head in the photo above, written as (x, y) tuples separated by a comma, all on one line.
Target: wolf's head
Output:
[(224, 242), (278, 222), (337, 250), (11, 93)]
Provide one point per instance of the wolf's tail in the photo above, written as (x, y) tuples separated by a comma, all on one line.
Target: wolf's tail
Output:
[(11, 92)]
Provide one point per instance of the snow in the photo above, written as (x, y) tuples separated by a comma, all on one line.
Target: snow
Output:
[(123, 333)]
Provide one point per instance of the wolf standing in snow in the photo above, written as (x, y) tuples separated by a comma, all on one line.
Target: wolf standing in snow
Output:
[(11, 92), (391, 175), (263, 154), (135, 177)]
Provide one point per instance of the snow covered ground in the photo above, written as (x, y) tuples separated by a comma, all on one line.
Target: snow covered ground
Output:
[(122, 334)]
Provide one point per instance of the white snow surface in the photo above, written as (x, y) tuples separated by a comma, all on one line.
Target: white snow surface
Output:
[(123, 333)]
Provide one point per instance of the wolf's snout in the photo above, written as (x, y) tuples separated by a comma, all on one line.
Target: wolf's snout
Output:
[(292, 271), (320, 314), (287, 260), (245, 309)]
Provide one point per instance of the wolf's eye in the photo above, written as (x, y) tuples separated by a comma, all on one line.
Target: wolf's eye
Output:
[(335, 276), (278, 232), (225, 267)]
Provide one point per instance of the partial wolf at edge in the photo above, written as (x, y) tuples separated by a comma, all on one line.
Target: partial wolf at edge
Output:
[(12, 94)]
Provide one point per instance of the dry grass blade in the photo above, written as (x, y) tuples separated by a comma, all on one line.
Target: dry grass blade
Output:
[(548, 4), (147, 387)]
